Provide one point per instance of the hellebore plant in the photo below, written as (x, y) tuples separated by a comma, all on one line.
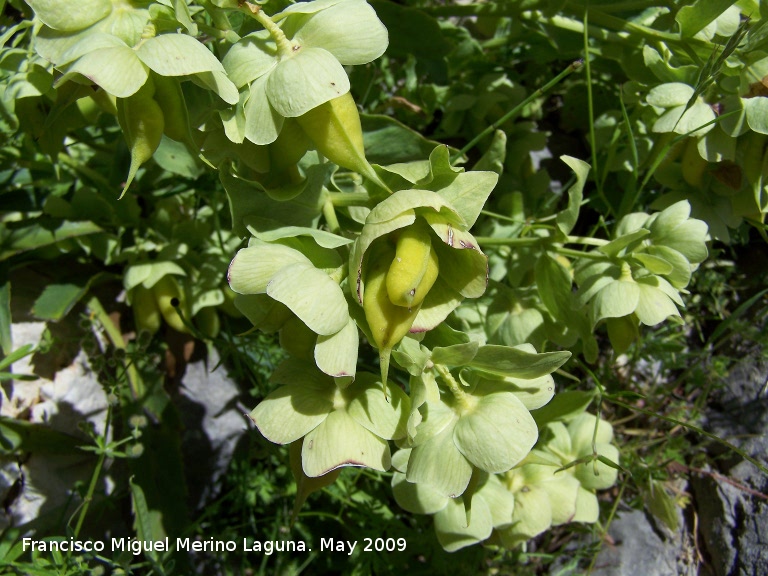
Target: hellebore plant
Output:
[(293, 69)]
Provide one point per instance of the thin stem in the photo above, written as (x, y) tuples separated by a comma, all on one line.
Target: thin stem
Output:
[(349, 198), (490, 241), (588, 240), (577, 253), (517, 109), (330, 216), (458, 393), (114, 335), (696, 429), (591, 111), (94, 479), (284, 46)]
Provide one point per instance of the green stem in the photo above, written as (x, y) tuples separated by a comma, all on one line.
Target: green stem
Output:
[(517, 109), (349, 198), (458, 393), (587, 240), (94, 479), (330, 216), (578, 253), (591, 111), (114, 335), (284, 46), (490, 241)]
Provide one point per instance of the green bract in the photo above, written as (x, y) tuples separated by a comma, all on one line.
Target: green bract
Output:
[(296, 64), (348, 427)]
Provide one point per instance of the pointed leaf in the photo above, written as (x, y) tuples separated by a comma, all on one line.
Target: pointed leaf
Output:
[(517, 363)]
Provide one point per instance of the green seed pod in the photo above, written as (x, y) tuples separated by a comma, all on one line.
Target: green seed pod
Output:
[(170, 98), (414, 269), (335, 130), (142, 121), (388, 323), (170, 298), (146, 314)]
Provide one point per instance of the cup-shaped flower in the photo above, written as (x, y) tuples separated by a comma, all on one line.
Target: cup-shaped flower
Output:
[(544, 497), (456, 524), (300, 269), (462, 268), (674, 246), (296, 63), (549, 490), (112, 44), (340, 427), (491, 432)]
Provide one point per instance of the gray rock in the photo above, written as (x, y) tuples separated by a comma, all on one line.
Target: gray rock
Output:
[(214, 423), (733, 514), (639, 549)]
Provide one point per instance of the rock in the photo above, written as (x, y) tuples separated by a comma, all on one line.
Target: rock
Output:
[(213, 422), (731, 502), (39, 487), (639, 548)]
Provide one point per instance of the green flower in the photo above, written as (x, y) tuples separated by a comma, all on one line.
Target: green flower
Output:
[(115, 44), (297, 63), (457, 525), (298, 270), (549, 490), (340, 427)]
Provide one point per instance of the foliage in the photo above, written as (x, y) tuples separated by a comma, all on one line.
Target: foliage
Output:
[(417, 273)]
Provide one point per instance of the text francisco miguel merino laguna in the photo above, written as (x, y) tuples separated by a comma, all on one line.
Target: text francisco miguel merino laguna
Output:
[(137, 546)]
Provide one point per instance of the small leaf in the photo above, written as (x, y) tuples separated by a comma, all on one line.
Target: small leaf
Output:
[(564, 406), (514, 362), (566, 219)]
